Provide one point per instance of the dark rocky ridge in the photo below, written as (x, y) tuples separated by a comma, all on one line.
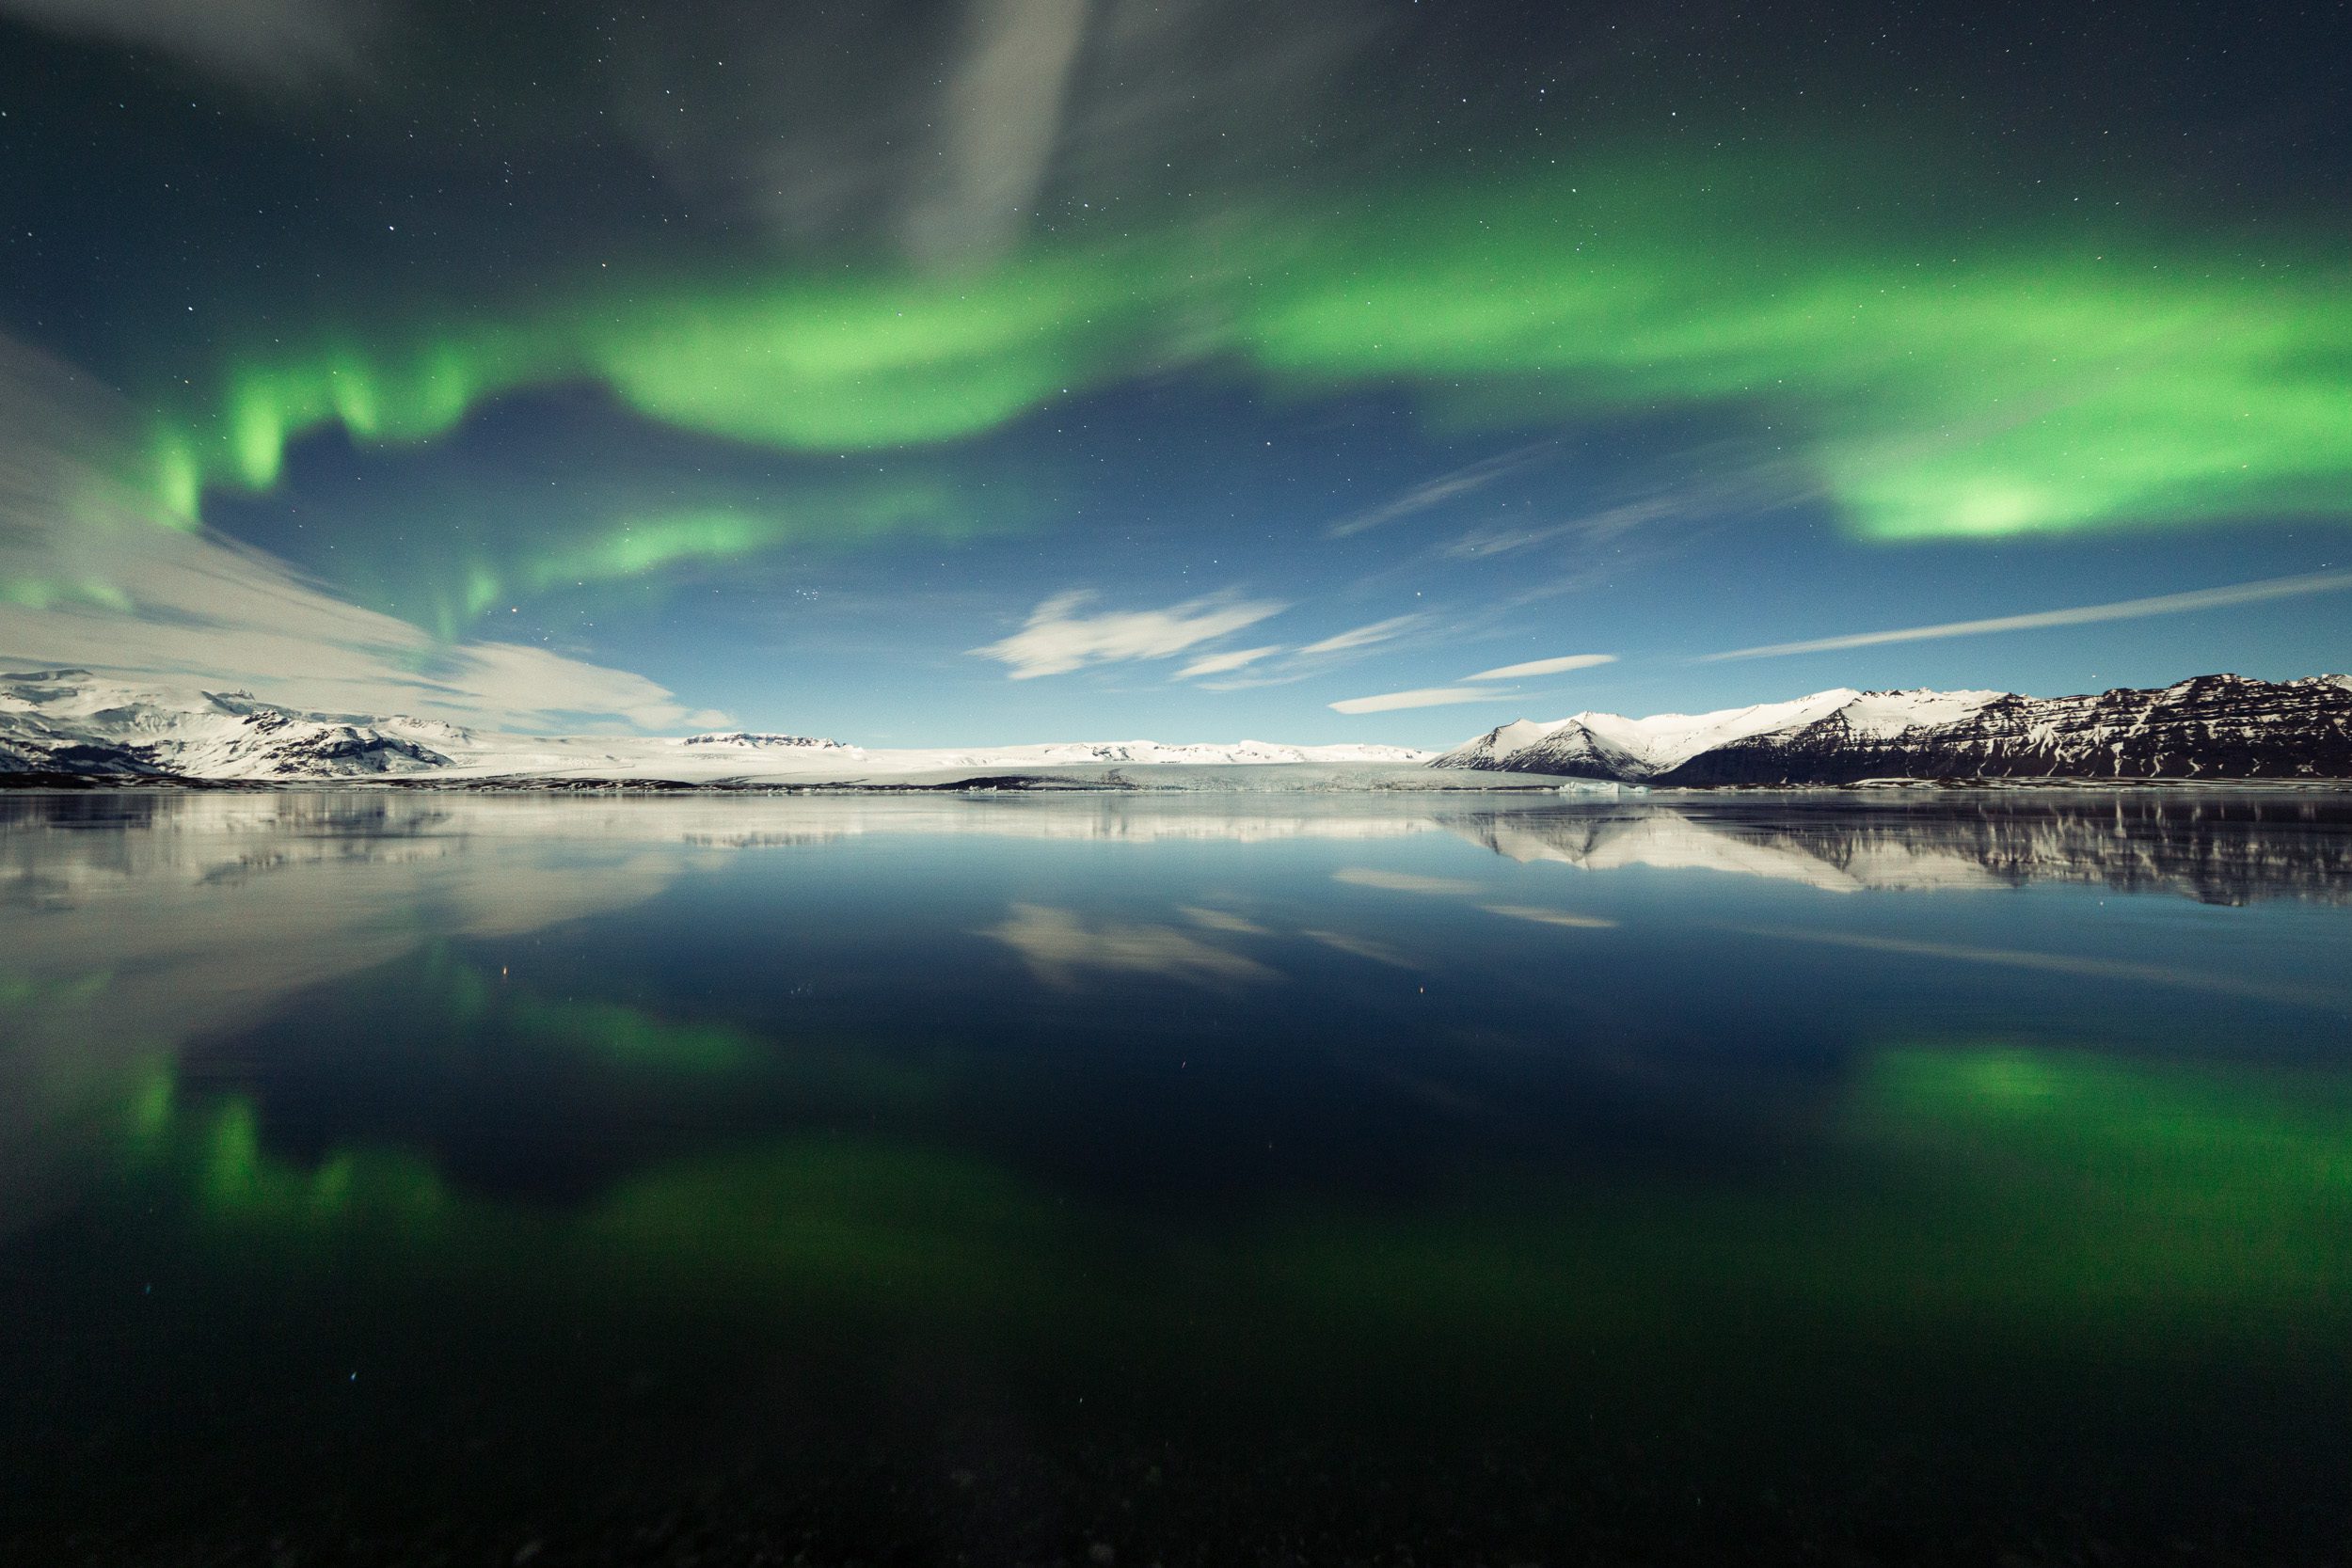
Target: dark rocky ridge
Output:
[(2211, 727)]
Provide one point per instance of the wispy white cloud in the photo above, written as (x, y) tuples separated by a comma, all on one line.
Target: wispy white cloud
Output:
[(1058, 638), (1428, 696), (1543, 667), (1365, 637), (1315, 658), (1256, 681), (997, 127), (90, 580), (960, 119), (1440, 696), (1443, 488), (1217, 664), (1593, 528), (2123, 610), (261, 42)]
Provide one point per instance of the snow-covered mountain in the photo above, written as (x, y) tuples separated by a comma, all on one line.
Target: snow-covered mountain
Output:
[(69, 722), (2209, 727), (1611, 746), (66, 722)]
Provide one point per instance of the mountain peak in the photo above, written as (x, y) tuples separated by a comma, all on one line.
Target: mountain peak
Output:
[(2221, 726), (64, 722)]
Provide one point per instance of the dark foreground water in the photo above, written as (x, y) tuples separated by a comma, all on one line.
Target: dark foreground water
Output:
[(446, 1179)]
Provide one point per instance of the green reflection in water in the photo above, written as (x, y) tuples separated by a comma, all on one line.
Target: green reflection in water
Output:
[(869, 1226), (388, 1186), (465, 1002), (33, 994), (468, 1005), (2077, 1184), (631, 1037), (811, 1222), (818, 1218), (2043, 1194)]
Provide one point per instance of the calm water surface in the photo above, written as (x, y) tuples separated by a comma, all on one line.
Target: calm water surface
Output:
[(438, 1178)]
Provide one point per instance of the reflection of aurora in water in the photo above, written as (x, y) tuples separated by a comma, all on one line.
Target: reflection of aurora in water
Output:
[(527, 1163), (2034, 1192)]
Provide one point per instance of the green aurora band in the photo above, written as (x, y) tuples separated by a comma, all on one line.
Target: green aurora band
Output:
[(632, 545), (2022, 377), (601, 533)]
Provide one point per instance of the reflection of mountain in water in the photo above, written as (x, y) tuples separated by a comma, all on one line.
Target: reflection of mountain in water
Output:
[(133, 923), (135, 929), (2215, 849)]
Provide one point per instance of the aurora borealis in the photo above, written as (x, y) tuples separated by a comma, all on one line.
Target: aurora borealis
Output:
[(1522, 337), (740, 824), (2042, 384)]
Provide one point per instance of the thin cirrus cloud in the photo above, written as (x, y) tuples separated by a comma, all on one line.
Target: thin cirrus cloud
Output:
[(2079, 615), (1058, 638), (997, 126), (1543, 667), (1427, 696), (1446, 696), (1217, 664), (1445, 487), (269, 43), (1302, 662), (1365, 637)]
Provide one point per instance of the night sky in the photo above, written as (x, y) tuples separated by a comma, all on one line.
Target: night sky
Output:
[(1023, 370)]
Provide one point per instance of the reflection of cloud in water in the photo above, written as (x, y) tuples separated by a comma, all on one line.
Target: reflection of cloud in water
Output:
[(1551, 917), (1404, 881), (1223, 920), (783, 822), (207, 910), (1059, 948), (2060, 963), (1364, 947), (133, 925)]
